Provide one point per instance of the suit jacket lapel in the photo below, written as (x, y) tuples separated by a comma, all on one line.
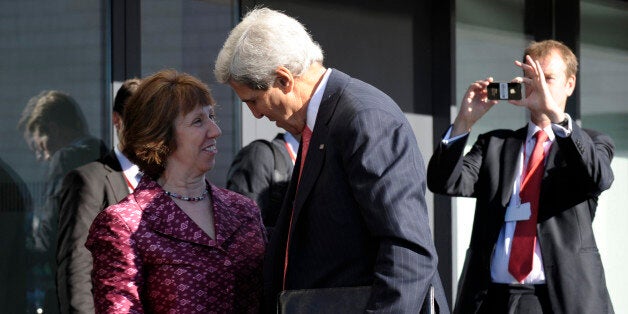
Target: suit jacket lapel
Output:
[(115, 177), (226, 223), (318, 143), (550, 161), (507, 176), (161, 212), (118, 185), (510, 156)]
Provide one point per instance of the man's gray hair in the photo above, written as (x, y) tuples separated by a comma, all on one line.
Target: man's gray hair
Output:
[(264, 40)]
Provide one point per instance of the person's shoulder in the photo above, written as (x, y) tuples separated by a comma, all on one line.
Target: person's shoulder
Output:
[(127, 205), (594, 133), (259, 150), (355, 87), (359, 97), (90, 168), (259, 144), (79, 153), (92, 172), (127, 212), (230, 197), (234, 200)]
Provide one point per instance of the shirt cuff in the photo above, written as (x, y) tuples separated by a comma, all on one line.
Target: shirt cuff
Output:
[(562, 131), (446, 140)]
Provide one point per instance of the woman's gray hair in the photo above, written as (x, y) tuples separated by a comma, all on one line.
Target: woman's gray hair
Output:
[(264, 40)]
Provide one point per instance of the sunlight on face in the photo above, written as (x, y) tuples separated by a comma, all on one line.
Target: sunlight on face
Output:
[(195, 135), (554, 69)]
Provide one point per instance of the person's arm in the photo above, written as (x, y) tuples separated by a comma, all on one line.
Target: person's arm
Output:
[(451, 172), (249, 286), (117, 269), (387, 177), (473, 107), (80, 202), (588, 156)]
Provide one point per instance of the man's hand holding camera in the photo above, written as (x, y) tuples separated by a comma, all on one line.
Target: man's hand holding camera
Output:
[(474, 105), (482, 95), (539, 99)]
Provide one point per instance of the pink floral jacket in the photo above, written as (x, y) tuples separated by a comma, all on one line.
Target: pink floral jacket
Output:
[(149, 256)]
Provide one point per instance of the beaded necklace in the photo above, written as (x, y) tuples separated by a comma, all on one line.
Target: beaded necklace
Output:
[(187, 198)]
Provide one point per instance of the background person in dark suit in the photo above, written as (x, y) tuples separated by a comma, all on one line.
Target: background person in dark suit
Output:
[(85, 192), (262, 172), (566, 273), (358, 216)]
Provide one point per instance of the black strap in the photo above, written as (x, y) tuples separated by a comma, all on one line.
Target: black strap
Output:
[(279, 178)]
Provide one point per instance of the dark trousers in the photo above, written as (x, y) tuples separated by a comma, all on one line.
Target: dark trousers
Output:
[(516, 299)]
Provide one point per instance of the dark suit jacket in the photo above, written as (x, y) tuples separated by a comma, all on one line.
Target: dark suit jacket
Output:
[(86, 191), (577, 170), (15, 206), (360, 216), (80, 152), (253, 173)]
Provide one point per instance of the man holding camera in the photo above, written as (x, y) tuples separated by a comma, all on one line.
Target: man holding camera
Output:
[(532, 247)]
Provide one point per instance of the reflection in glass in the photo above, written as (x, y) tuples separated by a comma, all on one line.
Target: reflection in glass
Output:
[(55, 128)]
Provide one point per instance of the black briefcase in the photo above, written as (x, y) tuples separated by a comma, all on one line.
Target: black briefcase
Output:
[(345, 300)]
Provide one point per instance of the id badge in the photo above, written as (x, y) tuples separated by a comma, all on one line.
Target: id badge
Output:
[(518, 212)]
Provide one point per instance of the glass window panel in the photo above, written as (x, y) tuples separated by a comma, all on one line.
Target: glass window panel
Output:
[(603, 77), (187, 36), (46, 46), (489, 37)]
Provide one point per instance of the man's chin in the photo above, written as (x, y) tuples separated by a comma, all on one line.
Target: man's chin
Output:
[(280, 125)]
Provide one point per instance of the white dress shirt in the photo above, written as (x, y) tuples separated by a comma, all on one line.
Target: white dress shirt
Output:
[(315, 101)]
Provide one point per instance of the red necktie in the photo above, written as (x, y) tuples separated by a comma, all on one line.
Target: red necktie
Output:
[(522, 250), (306, 136)]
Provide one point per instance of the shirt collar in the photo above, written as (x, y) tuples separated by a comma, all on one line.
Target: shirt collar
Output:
[(315, 101), (533, 128), (130, 170), (292, 141)]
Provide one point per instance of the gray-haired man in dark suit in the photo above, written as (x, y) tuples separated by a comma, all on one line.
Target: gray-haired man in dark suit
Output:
[(355, 213)]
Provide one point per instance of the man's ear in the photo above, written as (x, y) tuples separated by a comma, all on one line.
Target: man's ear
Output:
[(571, 85), (284, 80)]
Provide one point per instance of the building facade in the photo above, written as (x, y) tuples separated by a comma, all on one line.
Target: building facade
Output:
[(422, 53)]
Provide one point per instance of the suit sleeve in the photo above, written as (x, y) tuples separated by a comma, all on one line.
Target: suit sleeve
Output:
[(584, 157), (116, 275), (588, 155), (387, 174), (452, 173), (80, 202)]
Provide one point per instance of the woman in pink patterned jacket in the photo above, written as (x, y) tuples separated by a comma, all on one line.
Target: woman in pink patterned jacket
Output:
[(177, 244)]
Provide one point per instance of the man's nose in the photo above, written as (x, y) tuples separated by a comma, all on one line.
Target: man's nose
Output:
[(255, 113)]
